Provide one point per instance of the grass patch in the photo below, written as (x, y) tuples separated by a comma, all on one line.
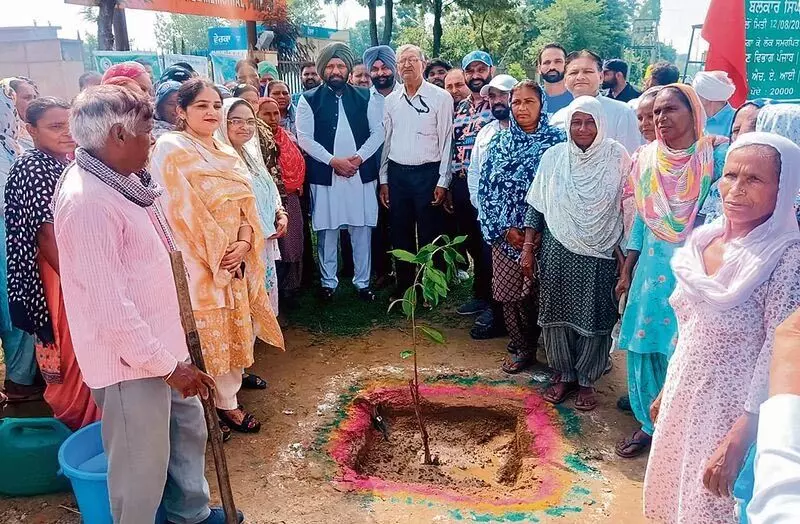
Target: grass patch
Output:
[(347, 316)]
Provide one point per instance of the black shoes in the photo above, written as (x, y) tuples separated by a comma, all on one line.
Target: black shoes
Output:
[(366, 294)]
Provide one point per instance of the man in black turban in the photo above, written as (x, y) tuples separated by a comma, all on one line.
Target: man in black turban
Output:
[(339, 126)]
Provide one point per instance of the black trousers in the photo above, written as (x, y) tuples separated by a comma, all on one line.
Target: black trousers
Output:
[(309, 264), (413, 221), (467, 224)]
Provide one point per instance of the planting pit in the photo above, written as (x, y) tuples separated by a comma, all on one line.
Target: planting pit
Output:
[(501, 451), (480, 450)]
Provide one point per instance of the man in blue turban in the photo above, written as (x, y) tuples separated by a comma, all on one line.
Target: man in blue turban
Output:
[(381, 64)]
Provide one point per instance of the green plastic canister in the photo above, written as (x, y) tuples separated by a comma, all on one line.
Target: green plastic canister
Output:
[(29, 456)]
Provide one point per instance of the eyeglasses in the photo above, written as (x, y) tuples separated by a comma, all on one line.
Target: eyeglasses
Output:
[(241, 122), (410, 61), (420, 111)]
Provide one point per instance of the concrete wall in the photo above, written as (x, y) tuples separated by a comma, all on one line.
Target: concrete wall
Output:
[(42, 61)]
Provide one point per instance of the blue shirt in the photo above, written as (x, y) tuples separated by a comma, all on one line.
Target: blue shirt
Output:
[(720, 124), (554, 103)]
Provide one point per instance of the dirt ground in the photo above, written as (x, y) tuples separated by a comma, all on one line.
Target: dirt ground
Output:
[(281, 475)]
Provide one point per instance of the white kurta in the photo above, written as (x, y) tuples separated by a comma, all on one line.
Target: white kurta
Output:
[(478, 157), (620, 119), (347, 201), (776, 496)]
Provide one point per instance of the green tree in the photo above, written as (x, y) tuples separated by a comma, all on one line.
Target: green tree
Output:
[(575, 24), (308, 12), (649, 9), (89, 47), (417, 35), (619, 14), (184, 32), (360, 38)]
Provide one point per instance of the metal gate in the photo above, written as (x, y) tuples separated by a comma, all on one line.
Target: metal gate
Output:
[(289, 72)]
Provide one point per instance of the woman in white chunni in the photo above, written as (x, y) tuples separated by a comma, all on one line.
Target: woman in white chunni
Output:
[(575, 209), (238, 130), (737, 280)]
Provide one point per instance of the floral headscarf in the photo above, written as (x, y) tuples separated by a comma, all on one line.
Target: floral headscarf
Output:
[(23, 138), (293, 165), (670, 185), (511, 162), (9, 128)]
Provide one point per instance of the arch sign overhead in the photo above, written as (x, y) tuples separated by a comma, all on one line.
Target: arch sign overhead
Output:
[(250, 10)]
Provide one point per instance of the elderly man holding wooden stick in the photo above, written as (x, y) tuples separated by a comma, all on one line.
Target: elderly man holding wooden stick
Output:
[(115, 270)]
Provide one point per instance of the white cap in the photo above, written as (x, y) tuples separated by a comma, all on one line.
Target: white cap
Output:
[(714, 85), (502, 83)]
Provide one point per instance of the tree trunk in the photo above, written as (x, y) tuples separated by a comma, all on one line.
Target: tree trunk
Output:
[(388, 21), (373, 22), (437, 27), (120, 25), (105, 22)]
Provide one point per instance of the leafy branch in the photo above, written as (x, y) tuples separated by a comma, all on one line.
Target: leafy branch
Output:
[(433, 284)]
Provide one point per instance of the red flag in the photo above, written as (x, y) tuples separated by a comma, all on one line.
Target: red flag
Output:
[(724, 32)]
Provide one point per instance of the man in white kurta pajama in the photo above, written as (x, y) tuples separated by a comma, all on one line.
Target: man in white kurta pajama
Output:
[(340, 127)]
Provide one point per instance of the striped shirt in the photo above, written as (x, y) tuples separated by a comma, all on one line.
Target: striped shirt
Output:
[(117, 282)]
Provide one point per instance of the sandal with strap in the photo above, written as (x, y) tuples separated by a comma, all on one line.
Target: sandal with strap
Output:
[(251, 381), (559, 392), (635, 445), (585, 401), (249, 423), (225, 430), (517, 362)]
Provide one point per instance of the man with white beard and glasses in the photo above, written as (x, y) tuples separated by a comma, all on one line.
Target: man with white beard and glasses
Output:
[(552, 63)]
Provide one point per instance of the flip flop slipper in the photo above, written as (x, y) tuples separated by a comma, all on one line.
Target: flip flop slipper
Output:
[(570, 390), (640, 445), (251, 381), (514, 364), (581, 403)]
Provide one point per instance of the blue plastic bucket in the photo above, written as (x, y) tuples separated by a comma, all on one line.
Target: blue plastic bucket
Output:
[(84, 463)]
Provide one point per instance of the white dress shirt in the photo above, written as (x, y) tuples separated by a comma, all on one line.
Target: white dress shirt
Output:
[(478, 157), (776, 495), (347, 201), (620, 122), (380, 99), (419, 130)]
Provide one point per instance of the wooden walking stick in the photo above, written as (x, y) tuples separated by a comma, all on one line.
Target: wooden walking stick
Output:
[(196, 354)]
